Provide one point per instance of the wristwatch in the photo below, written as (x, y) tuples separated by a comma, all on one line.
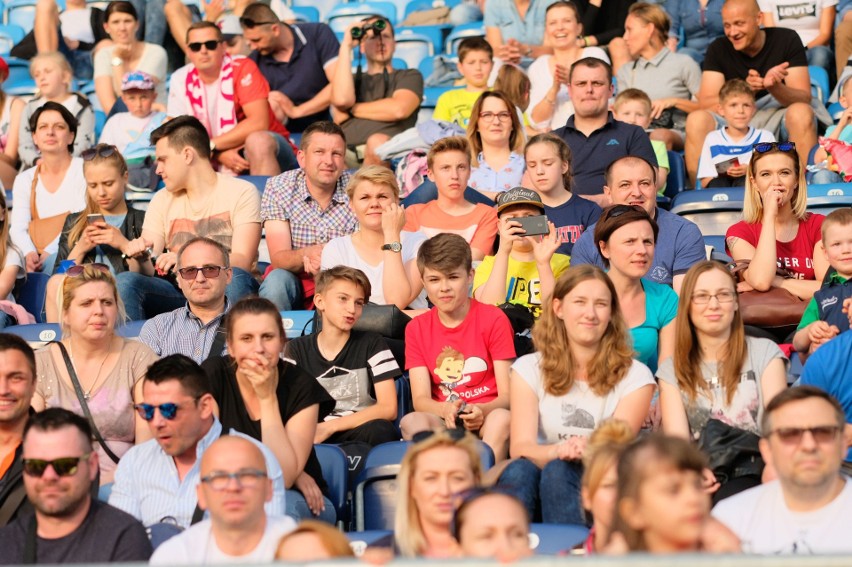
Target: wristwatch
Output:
[(212, 146), (116, 61), (393, 247)]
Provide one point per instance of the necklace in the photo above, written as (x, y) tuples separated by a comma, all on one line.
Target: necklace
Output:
[(88, 394)]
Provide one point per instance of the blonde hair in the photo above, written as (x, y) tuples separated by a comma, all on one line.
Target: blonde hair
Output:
[(515, 84), (653, 14), (71, 284), (332, 540), (753, 205), (614, 355), (58, 59), (375, 174), (407, 528), (117, 161), (603, 450)]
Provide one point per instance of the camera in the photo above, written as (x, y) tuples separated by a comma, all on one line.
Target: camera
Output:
[(378, 27)]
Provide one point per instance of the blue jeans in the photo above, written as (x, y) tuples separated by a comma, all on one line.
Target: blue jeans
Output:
[(555, 490), (297, 508), (283, 288), (465, 13), (824, 177), (428, 191), (697, 55), (285, 155), (821, 56), (6, 320)]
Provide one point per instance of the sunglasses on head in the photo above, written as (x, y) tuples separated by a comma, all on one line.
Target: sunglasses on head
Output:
[(616, 211), (102, 150), (764, 147), (210, 45), (250, 24), (78, 270), (209, 272), (167, 410), (456, 434), (65, 466)]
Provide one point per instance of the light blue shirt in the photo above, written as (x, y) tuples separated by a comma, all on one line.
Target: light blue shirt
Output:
[(483, 178), (147, 485), (182, 332), (503, 14)]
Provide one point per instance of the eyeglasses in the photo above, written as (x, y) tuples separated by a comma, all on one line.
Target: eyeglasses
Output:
[(793, 435), (208, 271), (220, 480), (66, 466), (250, 24), (75, 271), (492, 116), (210, 45), (167, 410), (724, 296), (102, 150), (764, 147)]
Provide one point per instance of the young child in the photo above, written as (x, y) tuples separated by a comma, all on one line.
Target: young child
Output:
[(448, 164), (548, 160), (525, 267), (130, 131), (476, 59), (841, 131), (829, 311), (356, 368), (458, 354), (727, 151), (634, 107)]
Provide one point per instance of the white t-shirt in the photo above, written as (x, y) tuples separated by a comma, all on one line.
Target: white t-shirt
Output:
[(77, 25), (801, 16), (579, 411), (123, 128), (197, 546), (719, 147), (13, 258), (765, 525), (340, 251)]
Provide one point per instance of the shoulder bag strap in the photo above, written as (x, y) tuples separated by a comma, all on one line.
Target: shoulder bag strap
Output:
[(218, 341), (33, 208), (82, 399), (13, 501), (30, 542), (198, 513)]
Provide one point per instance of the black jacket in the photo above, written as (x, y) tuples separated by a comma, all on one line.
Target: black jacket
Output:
[(131, 228)]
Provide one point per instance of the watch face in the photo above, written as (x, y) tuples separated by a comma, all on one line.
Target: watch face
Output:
[(393, 246)]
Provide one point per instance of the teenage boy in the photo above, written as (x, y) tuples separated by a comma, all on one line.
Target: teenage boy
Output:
[(448, 163), (476, 59), (829, 311), (458, 353), (525, 267), (727, 151), (356, 368), (634, 107)]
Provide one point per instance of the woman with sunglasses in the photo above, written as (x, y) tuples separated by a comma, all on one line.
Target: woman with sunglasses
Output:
[(107, 368), (437, 468), (492, 524), (626, 237), (124, 53), (496, 138), (263, 395), (777, 231), (717, 372), (107, 231), (582, 373)]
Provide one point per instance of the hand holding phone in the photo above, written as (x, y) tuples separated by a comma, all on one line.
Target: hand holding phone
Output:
[(94, 218)]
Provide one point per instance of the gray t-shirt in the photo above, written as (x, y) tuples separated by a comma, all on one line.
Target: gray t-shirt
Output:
[(374, 87), (746, 409)]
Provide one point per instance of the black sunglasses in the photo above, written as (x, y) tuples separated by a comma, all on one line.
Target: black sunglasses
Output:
[(210, 45), (764, 147), (65, 466), (102, 150), (616, 211), (209, 272), (167, 410), (456, 434), (78, 270), (250, 24)]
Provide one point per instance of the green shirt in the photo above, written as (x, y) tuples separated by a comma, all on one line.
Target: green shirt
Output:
[(811, 313)]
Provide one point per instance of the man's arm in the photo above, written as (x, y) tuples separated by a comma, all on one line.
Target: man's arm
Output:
[(788, 84), (244, 244), (708, 94), (280, 243), (343, 85), (256, 120), (398, 106)]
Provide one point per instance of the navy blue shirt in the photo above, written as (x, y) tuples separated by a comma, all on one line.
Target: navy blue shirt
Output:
[(303, 76), (571, 218), (591, 155)]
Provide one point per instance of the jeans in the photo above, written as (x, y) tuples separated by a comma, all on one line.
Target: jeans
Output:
[(822, 56), (6, 320), (156, 26), (555, 490), (297, 508), (285, 156), (824, 177), (465, 13), (428, 191), (283, 288), (697, 55)]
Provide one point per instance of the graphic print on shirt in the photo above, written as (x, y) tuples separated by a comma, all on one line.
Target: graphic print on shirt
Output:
[(525, 292), (217, 227), (454, 370), (573, 416), (349, 388)]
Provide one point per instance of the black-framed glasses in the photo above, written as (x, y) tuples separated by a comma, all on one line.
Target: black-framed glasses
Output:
[(210, 272), (102, 150), (64, 466), (247, 478), (168, 410), (793, 435), (209, 45), (250, 24), (724, 296), (75, 271), (764, 147)]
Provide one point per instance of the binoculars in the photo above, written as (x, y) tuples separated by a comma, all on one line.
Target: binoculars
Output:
[(378, 27)]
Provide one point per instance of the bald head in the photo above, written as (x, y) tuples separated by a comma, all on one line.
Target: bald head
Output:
[(230, 454), (741, 23), (749, 6)]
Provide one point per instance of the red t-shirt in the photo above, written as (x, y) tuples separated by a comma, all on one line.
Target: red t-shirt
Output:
[(796, 255), (250, 85), (461, 360)]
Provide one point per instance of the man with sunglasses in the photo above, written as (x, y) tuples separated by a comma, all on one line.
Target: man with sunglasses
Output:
[(156, 481), (230, 97), (807, 510), (298, 60), (68, 526), (233, 489)]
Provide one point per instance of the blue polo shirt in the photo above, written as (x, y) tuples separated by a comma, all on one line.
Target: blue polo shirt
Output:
[(314, 47), (504, 15), (591, 155), (679, 246)]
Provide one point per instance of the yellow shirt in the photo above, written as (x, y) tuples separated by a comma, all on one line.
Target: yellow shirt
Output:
[(455, 106), (523, 285)]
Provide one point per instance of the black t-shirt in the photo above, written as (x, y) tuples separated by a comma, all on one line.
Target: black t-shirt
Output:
[(572, 218), (106, 535), (296, 391), (781, 45)]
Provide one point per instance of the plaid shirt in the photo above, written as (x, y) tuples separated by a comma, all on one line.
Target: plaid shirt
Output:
[(286, 197), (182, 332)]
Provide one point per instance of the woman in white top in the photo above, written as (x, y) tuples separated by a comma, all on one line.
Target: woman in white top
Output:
[(550, 105), (813, 20), (60, 187), (380, 248), (125, 54), (582, 373)]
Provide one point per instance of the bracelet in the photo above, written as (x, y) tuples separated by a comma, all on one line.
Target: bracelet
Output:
[(529, 51)]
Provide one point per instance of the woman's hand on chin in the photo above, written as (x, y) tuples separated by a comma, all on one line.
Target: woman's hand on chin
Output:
[(262, 374)]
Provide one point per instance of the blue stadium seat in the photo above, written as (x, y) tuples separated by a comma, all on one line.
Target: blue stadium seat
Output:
[(360, 541), (130, 329), (717, 243), (404, 404), (36, 334), (259, 181), (20, 82), (342, 15), (825, 198), (100, 121), (335, 471), (819, 81), (32, 295), (10, 35), (475, 29), (306, 13), (713, 210), (550, 539), (420, 5), (676, 181), (437, 33), (21, 13), (297, 323), (412, 47), (324, 7)]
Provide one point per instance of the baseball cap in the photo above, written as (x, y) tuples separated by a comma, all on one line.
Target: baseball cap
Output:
[(518, 196), (137, 80), (230, 26)]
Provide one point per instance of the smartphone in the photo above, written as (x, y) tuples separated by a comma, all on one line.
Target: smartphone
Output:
[(723, 166), (92, 219), (533, 226)]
